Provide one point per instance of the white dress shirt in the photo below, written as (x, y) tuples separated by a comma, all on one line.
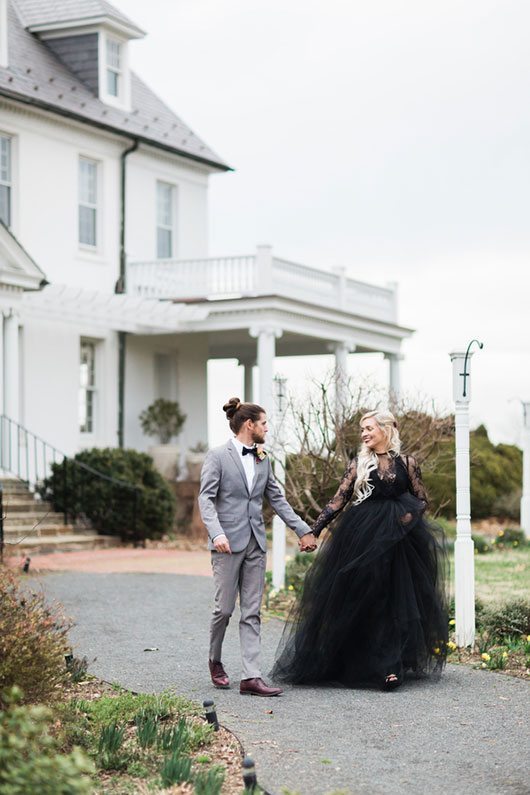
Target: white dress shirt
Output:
[(248, 461)]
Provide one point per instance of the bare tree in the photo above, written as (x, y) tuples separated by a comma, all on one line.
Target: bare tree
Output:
[(325, 435)]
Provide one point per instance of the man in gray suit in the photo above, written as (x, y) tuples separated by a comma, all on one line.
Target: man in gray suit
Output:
[(234, 480)]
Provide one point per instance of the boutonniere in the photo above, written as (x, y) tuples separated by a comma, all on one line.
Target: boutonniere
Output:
[(261, 454)]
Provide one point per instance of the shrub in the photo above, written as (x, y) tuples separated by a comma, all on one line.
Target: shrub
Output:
[(296, 570), (511, 618), (29, 761), (32, 642), (113, 509), (162, 419), (481, 545), (509, 538)]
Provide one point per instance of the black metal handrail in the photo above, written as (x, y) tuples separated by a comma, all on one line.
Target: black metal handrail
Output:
[(33, 460)]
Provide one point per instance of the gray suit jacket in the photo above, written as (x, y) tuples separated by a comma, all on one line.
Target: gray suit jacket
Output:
[(227, 506)]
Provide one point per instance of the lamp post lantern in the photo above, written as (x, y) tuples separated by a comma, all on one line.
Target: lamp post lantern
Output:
[(464, 547), (525, 498), (278, 527)]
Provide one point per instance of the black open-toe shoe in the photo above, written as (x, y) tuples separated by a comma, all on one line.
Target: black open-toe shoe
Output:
[(391, 682)]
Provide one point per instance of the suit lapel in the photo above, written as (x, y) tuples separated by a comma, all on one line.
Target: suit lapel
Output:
[(236, 460), (260, 467)]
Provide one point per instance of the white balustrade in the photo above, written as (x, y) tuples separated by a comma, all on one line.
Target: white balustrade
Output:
[(261, 274)]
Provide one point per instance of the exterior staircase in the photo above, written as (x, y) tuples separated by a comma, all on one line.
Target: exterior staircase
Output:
[(32, 526)]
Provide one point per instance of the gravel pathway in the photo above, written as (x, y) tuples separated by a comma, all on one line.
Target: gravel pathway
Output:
[(467, 734)]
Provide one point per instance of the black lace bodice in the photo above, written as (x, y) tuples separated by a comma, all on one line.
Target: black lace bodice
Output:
[(393, 477)]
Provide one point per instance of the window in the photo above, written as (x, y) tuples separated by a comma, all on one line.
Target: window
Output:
[(87, 386), (88, 184), (164, 220), (5, 179), (113, 68)]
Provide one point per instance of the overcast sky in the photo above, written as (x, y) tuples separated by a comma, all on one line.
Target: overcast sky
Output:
[(389, 137)]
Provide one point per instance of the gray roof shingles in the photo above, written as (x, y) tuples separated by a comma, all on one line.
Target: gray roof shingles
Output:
[(46, 12), (36, 76)]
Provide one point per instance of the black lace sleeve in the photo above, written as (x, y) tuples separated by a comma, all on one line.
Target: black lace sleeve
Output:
[(337, 503), (417, 485)]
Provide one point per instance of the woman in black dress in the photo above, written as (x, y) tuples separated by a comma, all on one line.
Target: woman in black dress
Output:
[(373, 605)]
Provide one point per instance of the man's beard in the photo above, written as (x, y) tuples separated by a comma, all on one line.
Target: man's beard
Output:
[(258, 437)]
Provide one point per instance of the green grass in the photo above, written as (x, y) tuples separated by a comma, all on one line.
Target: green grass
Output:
[(501, 576), (123, 708)]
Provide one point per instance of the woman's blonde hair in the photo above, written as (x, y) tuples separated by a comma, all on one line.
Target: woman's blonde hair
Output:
[(367, 461)]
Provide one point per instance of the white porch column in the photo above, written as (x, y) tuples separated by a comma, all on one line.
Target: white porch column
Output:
[(11, 367), (525, 499), (248, 379), (266, 351), (464, 546), (394, 374), (341, 351), (2, 379)]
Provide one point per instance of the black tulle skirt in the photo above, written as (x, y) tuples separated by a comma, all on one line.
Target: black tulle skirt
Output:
[(373, 602)]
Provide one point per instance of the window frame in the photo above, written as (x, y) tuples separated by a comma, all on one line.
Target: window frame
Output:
[(164, 226), (8, 183), (116, 70), (89, 389), (94, 206)]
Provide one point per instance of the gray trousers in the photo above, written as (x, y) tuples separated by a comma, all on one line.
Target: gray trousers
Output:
[(240, 573)]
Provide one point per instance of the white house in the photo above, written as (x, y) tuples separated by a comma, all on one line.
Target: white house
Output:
[(109, 297)]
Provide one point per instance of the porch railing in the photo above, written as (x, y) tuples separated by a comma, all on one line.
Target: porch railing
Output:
[(259, 274), (30, 459)]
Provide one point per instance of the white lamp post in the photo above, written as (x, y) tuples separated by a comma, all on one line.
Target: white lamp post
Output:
[(464, 547), (278, 527), (525, 499)]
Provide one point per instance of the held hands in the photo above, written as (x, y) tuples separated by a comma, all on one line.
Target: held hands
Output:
[(221, 544), (307, 543)]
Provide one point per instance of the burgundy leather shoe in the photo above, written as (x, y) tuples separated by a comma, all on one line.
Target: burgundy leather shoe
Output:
[(218, 674), (257, 687)]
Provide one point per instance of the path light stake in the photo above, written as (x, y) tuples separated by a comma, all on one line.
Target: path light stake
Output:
[(249, 774), (464, 547), (25, 567), (211, 714)]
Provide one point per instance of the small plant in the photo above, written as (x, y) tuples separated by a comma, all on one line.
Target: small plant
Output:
[(209, 782), (29, 757), (76, 667), (32, 642), (512, 618), (296, 570), (163, 419), (175, 770), (200, 447), (481, 545), (146, 728), (110, 742), (174, 738), (510, 538)]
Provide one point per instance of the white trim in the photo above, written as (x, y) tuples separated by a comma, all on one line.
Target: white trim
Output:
[(86, 25), (123, 100)]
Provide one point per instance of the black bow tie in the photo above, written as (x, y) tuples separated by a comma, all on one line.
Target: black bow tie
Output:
[(250, 450)]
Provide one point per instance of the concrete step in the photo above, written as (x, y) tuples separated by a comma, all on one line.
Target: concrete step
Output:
[(25, 504), (63, 543), (44, 517), (42, 530), (14, 487)]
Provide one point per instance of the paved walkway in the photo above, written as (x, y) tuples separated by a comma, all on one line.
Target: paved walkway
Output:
[(468, 734)]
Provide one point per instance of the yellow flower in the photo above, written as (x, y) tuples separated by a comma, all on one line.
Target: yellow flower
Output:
[(436, 650), (486, 656), (528, 638), (483, 665), (452, 622), (516, 543), (451, 645), (500, 533), (291, 588), (505, 654)]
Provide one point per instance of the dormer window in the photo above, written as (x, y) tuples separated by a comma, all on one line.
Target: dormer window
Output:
[(114, 58), (5, 179)]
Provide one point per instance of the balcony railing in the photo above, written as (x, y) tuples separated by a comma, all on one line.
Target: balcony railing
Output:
[(258, 275)]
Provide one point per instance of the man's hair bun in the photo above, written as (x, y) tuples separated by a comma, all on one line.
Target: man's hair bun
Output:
[(230, 408)]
